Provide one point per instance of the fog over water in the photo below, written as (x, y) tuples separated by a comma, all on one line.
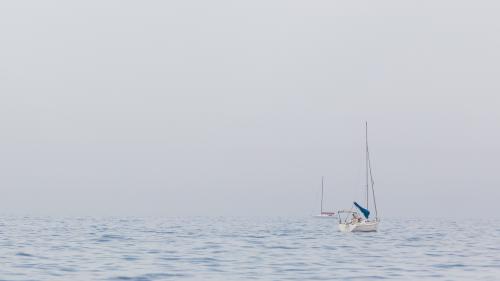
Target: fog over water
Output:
[(219, 108)]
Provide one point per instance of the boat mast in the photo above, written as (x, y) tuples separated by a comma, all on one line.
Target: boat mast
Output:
[(322, 180), (369, 171), (367, 162)]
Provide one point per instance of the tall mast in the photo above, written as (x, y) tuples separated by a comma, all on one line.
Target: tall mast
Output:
[(367, 163), (369, 170), (322, 180), (373, 189)]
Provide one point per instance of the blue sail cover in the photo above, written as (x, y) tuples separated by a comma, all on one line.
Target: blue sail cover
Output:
[(365, 212)]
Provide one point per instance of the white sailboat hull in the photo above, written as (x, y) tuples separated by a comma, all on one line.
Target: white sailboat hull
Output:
[(364, 226)]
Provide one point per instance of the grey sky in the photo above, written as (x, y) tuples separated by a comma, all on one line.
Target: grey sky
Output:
[(239, 107)]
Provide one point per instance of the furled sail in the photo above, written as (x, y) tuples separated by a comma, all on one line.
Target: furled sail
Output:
[(365, 212)]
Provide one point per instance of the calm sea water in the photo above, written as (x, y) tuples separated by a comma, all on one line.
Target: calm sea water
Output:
[(245, 249)]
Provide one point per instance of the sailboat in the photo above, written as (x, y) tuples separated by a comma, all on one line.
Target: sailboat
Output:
[(352, 221), (324, 214)]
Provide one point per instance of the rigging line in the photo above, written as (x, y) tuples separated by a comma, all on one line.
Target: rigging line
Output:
[(367, 164), (373, 189)]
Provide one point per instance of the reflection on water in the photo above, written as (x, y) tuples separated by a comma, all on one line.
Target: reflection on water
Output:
[(242, 249)]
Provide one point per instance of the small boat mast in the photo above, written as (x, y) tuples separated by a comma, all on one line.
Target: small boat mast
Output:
[(322, 187), (324, 214)]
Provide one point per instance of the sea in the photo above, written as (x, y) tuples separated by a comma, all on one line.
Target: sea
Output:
[(232, 248)]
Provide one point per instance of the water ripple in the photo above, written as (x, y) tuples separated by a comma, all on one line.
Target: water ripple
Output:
[(37, 248)]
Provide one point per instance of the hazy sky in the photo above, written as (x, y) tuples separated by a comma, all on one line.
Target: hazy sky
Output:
[(239, 107)]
